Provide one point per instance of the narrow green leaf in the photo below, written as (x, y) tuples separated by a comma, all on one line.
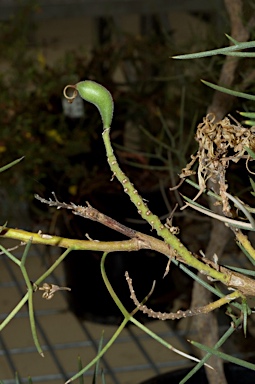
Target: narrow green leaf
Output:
[(229, 91), (14, 312), (250, 152), (127, 317), (250, 115), (53, 266), (240, 54), (13, 258), (246, 253), (7, 166), (224, 356), (32, 322), (17, 379), (2, 227), (103, 377), (31, 308), (96, 370), (251, 123), (106, 347), (25, 253), (244, 271), (225, 219), (195, 204), (238, 204), (80, 367), (219, 343), (230, 38), (252, 184), (218, 51)]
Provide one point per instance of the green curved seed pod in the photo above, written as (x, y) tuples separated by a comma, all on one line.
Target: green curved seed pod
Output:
[(99, 96)]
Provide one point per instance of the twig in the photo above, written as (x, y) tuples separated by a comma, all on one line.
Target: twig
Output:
[(179, 314), (143, 241), (22, 243), (90, 213)]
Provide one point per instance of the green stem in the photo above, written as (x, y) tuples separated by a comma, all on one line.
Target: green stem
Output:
[(8, 254), (152, 219), (127, 317), (32, 321), (14, 312), (99, 96), (62, 242), (30, 299), (53, 267), (101, 353), (26, 296), (243, 239)]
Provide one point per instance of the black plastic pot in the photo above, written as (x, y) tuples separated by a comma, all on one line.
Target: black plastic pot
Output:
[(234, 375)]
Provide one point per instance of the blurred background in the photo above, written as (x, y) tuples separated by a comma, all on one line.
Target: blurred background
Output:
[(127, 46)]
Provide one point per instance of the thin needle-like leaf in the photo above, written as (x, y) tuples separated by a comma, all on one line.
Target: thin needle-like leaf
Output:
[(80, 367), (17, 379), (230, 38), (25, 253), (38, 281), (218, 51), (206, 211), (7, 166), (247, 272), (219, 343), (103, 377), (14, 312), (208, 192), (96, 371), (240, 54), (249, 257), (127, 317), (251, 123), (53, 266), (31, 310), (240, 206), (224, 356), (102, 352), (250, 115), (250, 152), (7, 253), (32, 322), (252, 184), (229, 91)]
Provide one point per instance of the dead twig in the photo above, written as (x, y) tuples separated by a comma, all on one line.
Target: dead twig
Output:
[(179, 314)]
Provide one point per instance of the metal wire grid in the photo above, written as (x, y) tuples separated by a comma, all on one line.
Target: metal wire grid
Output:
[(133, 358)]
